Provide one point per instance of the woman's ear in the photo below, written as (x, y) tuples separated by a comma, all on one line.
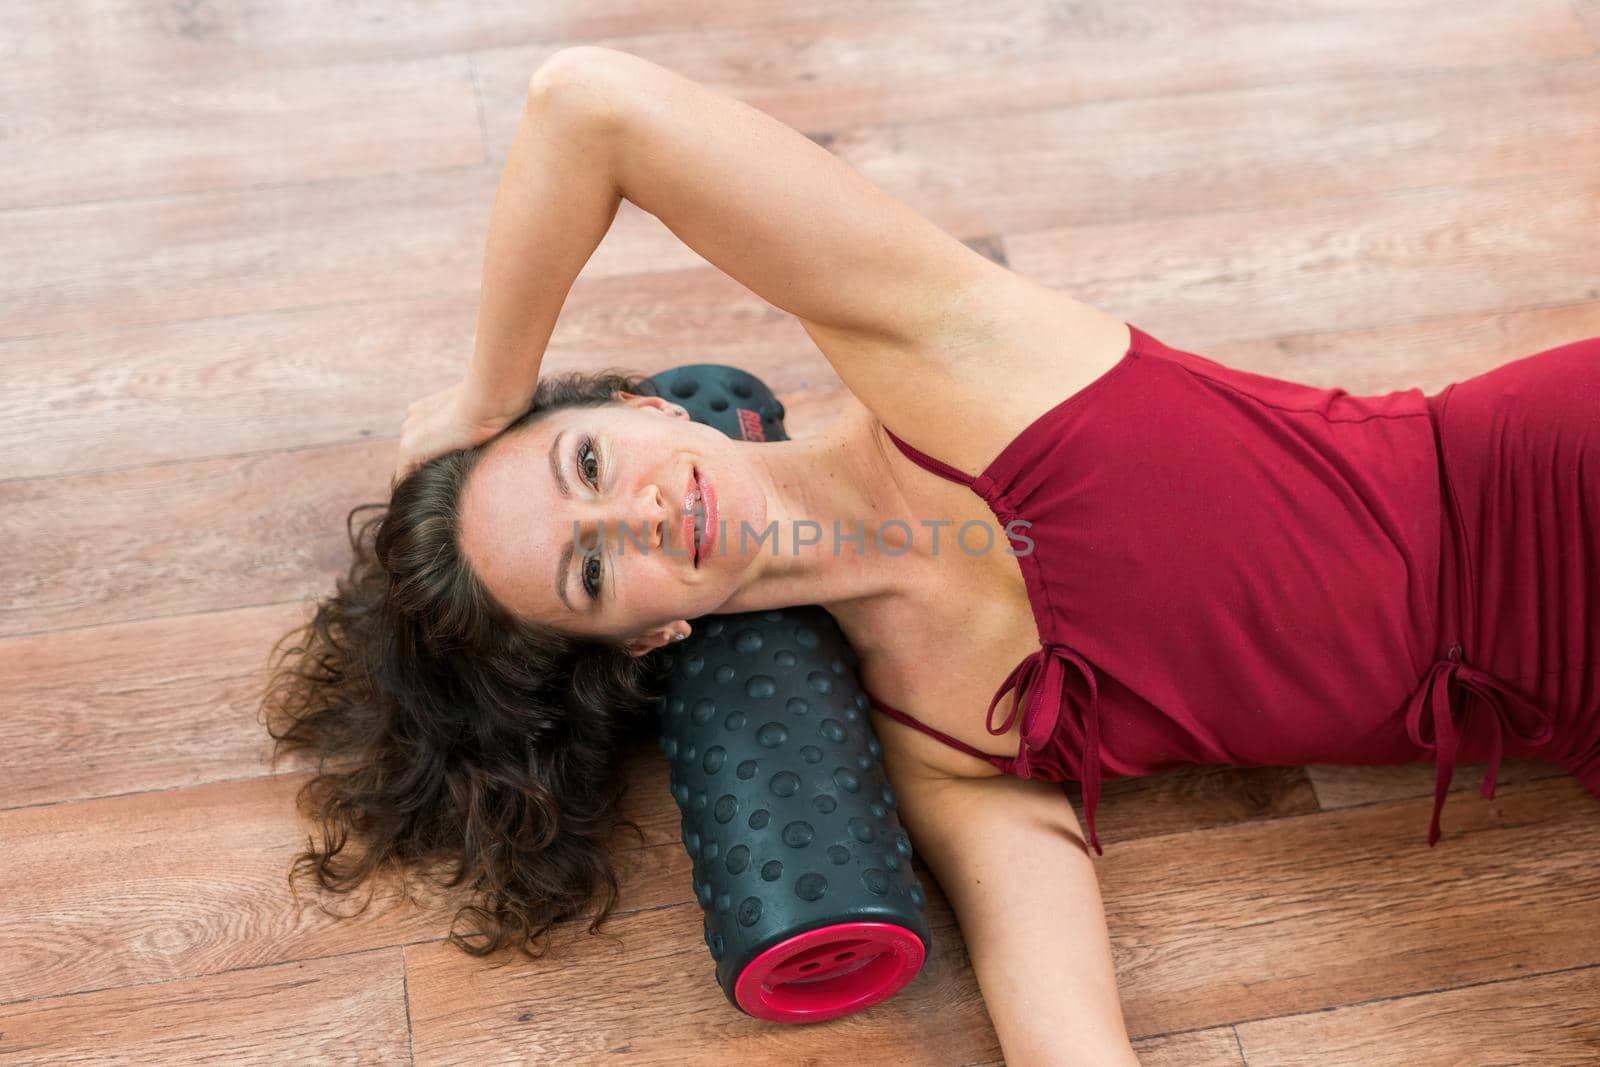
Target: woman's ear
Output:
[(653, 640), (656, 403)]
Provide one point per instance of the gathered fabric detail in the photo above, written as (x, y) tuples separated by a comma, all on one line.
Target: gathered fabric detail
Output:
[(1042, 675), (1431, 707)]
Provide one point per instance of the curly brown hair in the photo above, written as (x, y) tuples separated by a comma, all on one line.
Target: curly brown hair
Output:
[(451, 737)]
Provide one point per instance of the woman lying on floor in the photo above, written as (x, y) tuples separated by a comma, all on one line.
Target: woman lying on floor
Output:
[(1201, 565)]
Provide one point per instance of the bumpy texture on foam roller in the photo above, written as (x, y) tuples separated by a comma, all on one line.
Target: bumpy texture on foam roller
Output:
[(787, 812)]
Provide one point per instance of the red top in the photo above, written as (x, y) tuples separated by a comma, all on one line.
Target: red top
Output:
[(1229, 568)]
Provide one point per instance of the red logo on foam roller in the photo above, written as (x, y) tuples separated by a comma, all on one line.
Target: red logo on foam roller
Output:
[(750, 425)]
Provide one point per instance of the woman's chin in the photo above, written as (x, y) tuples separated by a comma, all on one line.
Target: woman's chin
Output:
[(722, 577), (719, 571)]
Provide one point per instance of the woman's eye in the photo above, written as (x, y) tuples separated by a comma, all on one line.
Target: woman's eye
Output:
[(589, 462), (589, 469)]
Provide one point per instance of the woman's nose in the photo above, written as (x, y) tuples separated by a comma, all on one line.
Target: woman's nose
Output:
[(650, 514)]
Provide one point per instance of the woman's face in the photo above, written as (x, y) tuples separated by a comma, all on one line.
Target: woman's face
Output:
[(631, 476)]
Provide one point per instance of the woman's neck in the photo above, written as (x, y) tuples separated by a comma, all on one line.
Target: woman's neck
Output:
[(837, 480)]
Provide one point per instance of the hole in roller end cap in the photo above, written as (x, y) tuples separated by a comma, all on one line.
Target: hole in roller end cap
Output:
[(829, 972)]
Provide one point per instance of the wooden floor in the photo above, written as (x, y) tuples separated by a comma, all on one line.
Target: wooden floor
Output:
[(239, 239)]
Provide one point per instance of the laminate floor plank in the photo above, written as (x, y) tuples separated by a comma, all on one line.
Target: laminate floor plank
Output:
[(1235, 150), (1327, 264), (339, 1009), (1541, 1019), (169, 885), (240, 111), (48, 40), (1259, 920), (114, 709), (1425, 353), (106, 139), (876, 66)]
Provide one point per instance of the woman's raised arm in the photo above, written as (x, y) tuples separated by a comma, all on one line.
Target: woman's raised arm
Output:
[(556, 199), (555, 202), (791, 221), (873, 282), (922, 329)]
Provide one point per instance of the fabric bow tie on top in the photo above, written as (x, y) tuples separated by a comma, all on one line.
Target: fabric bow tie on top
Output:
[(1432, 704), (1042, 675)]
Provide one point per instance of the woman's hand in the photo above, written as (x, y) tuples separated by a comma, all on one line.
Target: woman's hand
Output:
[(443, 422)]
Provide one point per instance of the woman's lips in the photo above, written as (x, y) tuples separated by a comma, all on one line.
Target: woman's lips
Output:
[(708, 502), (699, 497), (686, 523)]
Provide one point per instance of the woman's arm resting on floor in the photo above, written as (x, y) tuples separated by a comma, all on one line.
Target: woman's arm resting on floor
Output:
[(1010, 857)]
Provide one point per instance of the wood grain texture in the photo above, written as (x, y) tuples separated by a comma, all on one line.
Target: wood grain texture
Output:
[(81, 39), (1346, 787), (160, 886), (650, 996), (647, 1006), (1297, 915), (1218, 1047), (244, 250), (1427, 353), (1152, 158), (1209, 152), (1547, 1018), (151, 705), (112, 139), (340, 1009), (1326, 264), (1194, 798), (137, 888), (877, 64), (169, 540)]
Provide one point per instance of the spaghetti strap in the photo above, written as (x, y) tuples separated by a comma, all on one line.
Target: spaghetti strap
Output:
[(929, 463), (915, 724)]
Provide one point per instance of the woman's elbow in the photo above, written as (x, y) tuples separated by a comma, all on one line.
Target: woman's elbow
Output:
[(586, 82)]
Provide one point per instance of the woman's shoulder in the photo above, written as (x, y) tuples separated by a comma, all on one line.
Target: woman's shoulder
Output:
[(985, 385)]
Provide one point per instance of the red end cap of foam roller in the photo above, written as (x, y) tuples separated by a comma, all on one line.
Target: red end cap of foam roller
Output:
[(829, 972)]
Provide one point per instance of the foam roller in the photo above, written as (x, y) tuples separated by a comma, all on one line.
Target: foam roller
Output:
[(801, 865)]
